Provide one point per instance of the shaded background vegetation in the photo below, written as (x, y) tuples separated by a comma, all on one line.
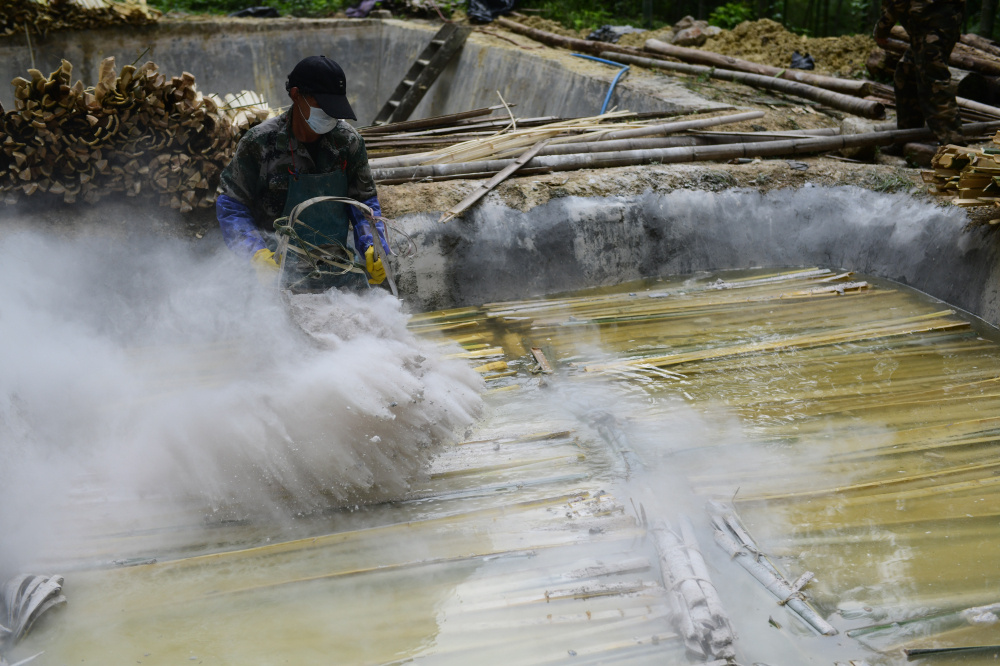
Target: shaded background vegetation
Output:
[(817, 18)]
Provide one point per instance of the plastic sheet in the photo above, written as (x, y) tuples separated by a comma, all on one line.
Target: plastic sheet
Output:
[(484, 11)]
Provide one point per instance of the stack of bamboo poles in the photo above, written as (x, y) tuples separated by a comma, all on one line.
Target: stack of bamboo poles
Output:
[(40, 16), (495, 147), (970, 176), (136, 132)]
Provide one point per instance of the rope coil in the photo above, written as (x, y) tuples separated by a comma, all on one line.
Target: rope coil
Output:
[(333, 253)]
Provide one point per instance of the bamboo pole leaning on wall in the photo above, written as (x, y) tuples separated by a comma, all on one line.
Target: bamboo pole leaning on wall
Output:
[(854, 105)]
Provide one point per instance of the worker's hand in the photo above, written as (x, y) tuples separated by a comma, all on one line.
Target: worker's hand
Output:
[(376, 271), (265, 265)]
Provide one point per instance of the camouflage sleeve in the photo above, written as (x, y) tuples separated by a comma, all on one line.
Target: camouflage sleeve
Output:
[(239, 179), (892, 11), (360, 183)]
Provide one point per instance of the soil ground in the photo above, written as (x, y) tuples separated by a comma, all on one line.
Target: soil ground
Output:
[(760, 41)]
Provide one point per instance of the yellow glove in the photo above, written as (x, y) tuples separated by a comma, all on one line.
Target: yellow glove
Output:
[(265, 265), (376, 270)]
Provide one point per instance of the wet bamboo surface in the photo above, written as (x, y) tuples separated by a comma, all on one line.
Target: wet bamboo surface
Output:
[(510, 534), (852, 425)]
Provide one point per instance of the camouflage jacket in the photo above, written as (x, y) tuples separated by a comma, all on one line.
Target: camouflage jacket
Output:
[(258, 174), (900, 10)]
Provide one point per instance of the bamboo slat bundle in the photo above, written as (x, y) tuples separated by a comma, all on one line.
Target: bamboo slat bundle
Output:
[(135, 132), (704, 623), (857, 106), (45, 15), (971, 176), (16, 14), (245, 110)]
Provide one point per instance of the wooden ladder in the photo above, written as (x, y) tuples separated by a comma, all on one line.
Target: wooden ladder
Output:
[(429, 65)]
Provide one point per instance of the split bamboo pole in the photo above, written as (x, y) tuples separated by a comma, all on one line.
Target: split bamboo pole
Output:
[(678, 126), (697, 56), (485, 188)]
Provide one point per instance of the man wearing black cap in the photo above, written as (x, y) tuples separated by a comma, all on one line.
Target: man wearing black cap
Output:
[(308, 151)]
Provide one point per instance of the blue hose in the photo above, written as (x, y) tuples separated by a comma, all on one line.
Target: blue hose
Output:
[(621, 73)]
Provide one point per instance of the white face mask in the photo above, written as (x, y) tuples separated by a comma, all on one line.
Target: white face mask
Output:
[(318, 121)]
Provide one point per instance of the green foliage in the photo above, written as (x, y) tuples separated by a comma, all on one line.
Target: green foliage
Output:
[(307, 8), (304, 8), (731, 14), (589, 15)]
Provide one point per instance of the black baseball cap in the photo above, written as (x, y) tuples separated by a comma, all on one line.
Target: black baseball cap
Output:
[(322, 78)]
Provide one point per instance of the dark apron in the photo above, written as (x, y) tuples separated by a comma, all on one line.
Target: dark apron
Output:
[(328, 224)]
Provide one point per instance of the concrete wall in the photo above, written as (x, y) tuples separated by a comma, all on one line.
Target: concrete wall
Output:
[(498, 253), (238, 54), (494, 252)]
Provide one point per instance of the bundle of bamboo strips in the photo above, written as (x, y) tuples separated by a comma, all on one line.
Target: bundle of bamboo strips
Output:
[(970, 176), (16, 14), (246, 109), (703, 620), (135, 132), (40, 16)]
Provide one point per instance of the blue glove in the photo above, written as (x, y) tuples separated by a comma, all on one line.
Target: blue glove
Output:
[(362, 229), (238, 228)]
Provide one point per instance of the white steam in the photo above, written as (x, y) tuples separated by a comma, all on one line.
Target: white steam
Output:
[(146, 375)]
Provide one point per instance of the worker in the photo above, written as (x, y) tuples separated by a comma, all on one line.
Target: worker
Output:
[(922, 81), (308, 151)]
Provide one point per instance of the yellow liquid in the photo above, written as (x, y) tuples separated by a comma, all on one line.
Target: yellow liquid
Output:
[(853, 427)]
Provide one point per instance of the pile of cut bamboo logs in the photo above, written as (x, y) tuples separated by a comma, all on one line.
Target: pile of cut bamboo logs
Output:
[(136, 132), (971, 176), (41, 16)]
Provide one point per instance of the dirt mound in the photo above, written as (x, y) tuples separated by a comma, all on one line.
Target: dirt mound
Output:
[(552, 26), (767, 42), (638, 39)]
